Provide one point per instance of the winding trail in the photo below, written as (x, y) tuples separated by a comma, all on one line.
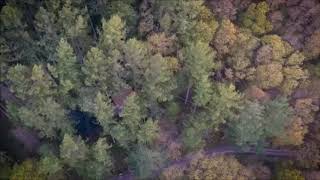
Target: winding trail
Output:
[(216, 151)]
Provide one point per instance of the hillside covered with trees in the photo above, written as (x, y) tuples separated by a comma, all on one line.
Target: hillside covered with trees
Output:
[(159, 89)]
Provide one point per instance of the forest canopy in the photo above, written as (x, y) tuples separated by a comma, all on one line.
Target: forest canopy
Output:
[(159, 89)]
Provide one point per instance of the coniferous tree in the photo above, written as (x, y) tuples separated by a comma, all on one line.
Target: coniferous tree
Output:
[(159, 82), (104, 112), (113, 34), (97, 69), (66, 69)]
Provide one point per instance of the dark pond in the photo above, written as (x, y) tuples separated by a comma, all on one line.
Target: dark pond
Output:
[(86, 125)]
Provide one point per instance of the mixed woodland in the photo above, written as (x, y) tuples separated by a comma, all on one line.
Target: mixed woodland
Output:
[(160, 89)]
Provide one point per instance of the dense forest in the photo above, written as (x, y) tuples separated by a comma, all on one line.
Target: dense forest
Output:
[(160, 89)]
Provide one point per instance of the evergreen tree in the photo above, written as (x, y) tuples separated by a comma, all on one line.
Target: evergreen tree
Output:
[(97, 69), (199, 59), (99, 161), (258, 122), (144, 161), (66, 69), (28, 169), (136, 61), (247, 129), (132, 114), (224, 104), (73, 151), (113, 34), (46, 116), (159, 82), (104, 112), (194, 132)]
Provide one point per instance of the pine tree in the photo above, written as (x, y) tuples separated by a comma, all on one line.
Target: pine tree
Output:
[(99, 163), (97, 69), (19, 75), (144, 161), (277, 116), (248, 128), (148, 132), (194, 132), (258, 122), (159, 82), (113, 34), (104, 112), (136, 61), (49, 165), (199, 59), (73, 151), (28, 169), (132, 114), (224, 104), (66, 69), (46, 116)]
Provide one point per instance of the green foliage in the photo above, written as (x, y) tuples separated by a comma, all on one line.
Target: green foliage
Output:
[(18, 75), (104, 112), (132, 114), (173, 109), (160, 81), (257, 122), (241, 54), (56, 56), (72, 21), (10, 16), (28, 169), (46, 116), (50, 165), (148, 132), (66, 70), (195, 22), (255, 18), (280, 48), (97, 69), (113, 34), (225, 102), (144, 161), (199, 58), (73, 151), (125, 10), (136, 54), (246, 129), (91, 162), (277, 115), (5, 168), (193, 133), (99, 161), (191, 20), (133, 128), (27, 83), (203, 92)]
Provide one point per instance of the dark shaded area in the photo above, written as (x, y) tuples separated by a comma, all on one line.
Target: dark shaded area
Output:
[(86, 125), (8, 144)]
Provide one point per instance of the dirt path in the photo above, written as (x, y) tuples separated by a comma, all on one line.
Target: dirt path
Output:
[(216, 151)]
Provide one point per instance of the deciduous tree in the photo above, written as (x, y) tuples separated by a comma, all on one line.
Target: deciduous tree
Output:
[(255, 18)]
